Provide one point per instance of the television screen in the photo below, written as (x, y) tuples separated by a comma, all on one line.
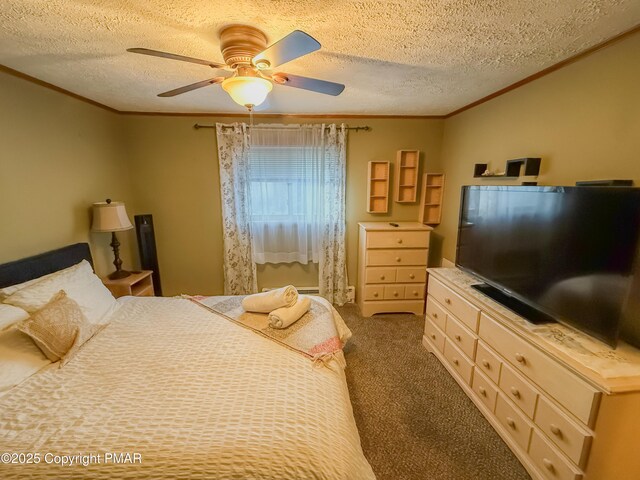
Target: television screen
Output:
[(568, 252)]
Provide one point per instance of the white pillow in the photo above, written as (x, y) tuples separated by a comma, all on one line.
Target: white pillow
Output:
[(80, 284), (10, 315), (11, 289), (19, 359)]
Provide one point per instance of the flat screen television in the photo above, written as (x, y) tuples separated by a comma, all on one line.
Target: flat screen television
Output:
[(564, 254)]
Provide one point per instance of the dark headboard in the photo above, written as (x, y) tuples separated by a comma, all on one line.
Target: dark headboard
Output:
[(29, 268)]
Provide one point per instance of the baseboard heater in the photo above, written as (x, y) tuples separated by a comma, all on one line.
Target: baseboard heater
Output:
[(351, 292)]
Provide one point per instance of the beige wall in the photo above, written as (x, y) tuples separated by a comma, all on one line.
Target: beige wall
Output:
[(175, 176), (59, 155), (582, 120)]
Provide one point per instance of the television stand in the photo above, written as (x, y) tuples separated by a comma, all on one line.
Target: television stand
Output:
[(533, 315)]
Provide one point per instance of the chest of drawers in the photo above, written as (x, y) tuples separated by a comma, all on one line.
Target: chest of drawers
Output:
[(392, 263), (561, 420)]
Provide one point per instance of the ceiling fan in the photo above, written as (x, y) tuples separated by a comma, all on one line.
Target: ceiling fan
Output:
[(247, 55)]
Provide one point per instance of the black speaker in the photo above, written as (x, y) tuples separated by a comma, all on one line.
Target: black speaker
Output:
[(147, 249)]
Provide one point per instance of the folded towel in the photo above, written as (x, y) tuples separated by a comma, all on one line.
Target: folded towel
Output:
[(266, 302), (283, 317)]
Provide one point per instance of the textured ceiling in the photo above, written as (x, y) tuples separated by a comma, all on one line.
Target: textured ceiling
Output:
[(414, 57)]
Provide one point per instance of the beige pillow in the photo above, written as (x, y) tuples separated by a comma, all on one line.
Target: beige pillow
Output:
[(59, 328)]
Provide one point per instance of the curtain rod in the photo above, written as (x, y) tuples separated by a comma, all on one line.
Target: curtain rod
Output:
[(198, 126)]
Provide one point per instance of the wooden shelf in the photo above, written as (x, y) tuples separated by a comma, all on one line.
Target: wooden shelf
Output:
[(528, 167), (408, 163), (378, 187), (431, 198)]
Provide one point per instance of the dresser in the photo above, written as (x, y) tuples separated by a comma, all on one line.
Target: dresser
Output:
[(567, 405), (392, 267)]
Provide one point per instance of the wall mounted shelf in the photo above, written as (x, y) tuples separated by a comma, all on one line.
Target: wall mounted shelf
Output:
[(407, 164), (378, 187), (431, 198), (528, 167)]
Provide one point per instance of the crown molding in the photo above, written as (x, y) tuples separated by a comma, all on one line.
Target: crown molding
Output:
[(547, 71)]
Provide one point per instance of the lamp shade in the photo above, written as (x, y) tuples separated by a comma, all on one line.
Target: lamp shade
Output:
[(110, 217), (247, 91)]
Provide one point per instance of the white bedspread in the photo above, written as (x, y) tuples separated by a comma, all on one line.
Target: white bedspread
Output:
[(196, 395)]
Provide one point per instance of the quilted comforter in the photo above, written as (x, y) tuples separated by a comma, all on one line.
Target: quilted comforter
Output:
[(170, 390)]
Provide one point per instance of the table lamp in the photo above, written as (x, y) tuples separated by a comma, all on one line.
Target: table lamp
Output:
[(112, 217)]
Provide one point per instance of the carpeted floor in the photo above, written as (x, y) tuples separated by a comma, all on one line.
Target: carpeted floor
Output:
[(414, 420)]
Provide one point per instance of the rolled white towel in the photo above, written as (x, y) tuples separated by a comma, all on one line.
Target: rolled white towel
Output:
[(283, 317), (266, 302)]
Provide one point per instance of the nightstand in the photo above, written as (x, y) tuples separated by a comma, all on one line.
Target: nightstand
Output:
[(138, 284)]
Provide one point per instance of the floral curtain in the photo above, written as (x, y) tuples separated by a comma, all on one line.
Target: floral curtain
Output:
[(240, 276), (314, 227), (333, 251)]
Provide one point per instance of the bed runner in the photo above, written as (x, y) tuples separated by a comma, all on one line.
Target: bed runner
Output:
[(314, 335)]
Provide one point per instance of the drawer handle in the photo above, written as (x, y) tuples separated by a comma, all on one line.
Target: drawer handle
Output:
[(395, 294), (455, 361), (412, 276), (447, 301), (433, 335), (548, 465), (399, 240), (520, 358), (515, 392), (398, 259), (482, 391), (458, 338), (435, 315), (375, 294), (556, 430), (415, 294), (511, 422), (381, 277), (486, 364)]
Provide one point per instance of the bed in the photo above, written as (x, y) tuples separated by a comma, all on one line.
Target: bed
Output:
[(171, 390)]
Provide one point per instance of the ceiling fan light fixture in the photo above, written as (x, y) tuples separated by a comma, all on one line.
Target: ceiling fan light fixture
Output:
[(247, 91)]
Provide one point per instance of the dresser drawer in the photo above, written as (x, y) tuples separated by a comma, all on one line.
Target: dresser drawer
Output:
[(411, 275), (414, 292), (518, 390), (572, 439), (380, 275), (565, 387), (488, 362), (458, 361), (551, 463), (434, 335), (396, 257), (373, 292), (513, 421), (393, 292), (461, 337), (461, 309), (436, 313), (485, 390), (399, 239)]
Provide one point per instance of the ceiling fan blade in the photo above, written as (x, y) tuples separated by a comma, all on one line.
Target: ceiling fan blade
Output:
[(173, 56), (313, 84), (294, 45), (193, 86)]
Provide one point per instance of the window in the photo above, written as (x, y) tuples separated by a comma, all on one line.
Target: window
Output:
[(287, 181)]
